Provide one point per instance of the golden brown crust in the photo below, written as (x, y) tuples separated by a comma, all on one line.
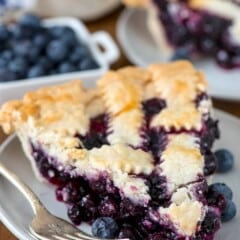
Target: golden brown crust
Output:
[(136, 3)]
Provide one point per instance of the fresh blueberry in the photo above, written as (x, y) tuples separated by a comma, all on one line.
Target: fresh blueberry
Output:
[(58, 32), (3, 63), (57, 50), (4, 33), (30, 20), (45, 62), (41, 40), (70, 38), (22, 48), (36, 71), (88, 64), (66, 68), (18, 66), (22, 32), (225, 160), (223, 189), (7, 54), (105, 227), (180, 53), (17, 32), (6, 75), (78, 53), (229, 212), (34, 54)]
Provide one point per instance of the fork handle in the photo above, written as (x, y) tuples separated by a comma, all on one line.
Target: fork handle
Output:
[(23, 188)]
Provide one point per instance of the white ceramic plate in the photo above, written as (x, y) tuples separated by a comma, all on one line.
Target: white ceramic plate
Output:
[(16, 214), (141, 49)]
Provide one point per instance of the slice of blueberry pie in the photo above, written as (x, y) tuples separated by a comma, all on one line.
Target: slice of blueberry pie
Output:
[(135, 150), (195, 28)]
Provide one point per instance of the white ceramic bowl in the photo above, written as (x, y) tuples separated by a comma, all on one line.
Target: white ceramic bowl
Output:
[(16, 89)]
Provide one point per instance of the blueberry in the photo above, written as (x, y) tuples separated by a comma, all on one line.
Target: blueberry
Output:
[(45, 62), (57, 50), (223, 189), (229, 212), (79, 53), (225, 160), (105, 227), (4, 33), (17, 32), (41, 40), (6, 75), (127, 232), (18, 66), (88, 64), (59, 31), (180, 53), (34, 54), (75, 214), (22, 48), (22, 32), (66, 67), (7, 54), (36, 71), (30, 20), (208, 46), (3, 63)]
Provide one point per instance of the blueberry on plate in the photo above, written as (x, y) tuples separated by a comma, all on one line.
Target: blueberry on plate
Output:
[(88, 64), (30, 20), (66, 68), (225, 160), (57, 50), (230, 211), (7, 76), (223, 189), (36, 71), (78, 53), (105, 227)]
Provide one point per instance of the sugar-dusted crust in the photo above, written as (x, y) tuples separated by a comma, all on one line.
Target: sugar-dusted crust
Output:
[(54, 117)]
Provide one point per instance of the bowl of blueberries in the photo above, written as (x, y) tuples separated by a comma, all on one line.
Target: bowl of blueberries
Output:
[(35, 52)]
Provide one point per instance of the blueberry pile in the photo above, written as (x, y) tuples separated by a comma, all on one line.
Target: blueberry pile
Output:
[(28, 50)]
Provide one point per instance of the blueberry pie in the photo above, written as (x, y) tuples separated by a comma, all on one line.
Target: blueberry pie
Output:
[(136, 149), (196, 28)]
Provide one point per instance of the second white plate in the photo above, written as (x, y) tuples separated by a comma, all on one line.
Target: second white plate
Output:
[(141, 49)]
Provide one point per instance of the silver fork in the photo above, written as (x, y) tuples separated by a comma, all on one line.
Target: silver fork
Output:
[(45, 225)]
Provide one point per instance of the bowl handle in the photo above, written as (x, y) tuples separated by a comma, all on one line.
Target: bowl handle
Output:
[(111, 52)]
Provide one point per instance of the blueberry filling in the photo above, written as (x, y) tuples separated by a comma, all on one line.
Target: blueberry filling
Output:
[(97, 136), (91, 199), (198, 31)]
